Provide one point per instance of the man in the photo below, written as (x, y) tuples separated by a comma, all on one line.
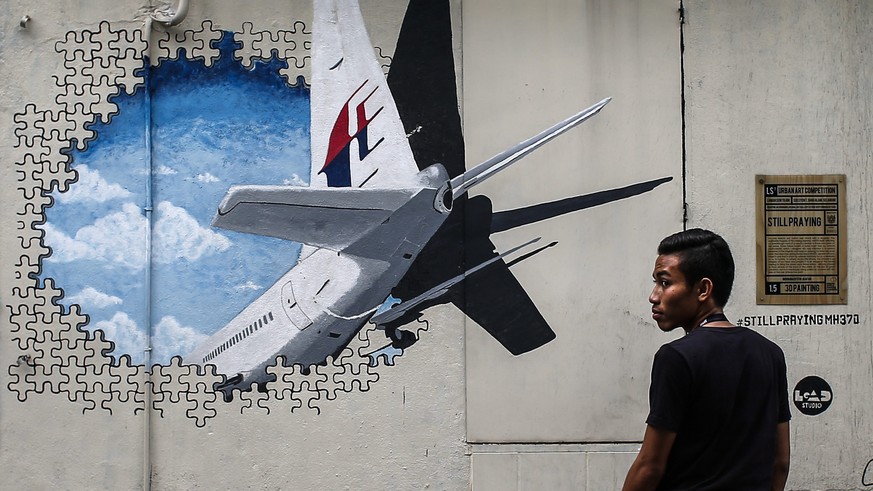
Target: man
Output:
[(718, 403)]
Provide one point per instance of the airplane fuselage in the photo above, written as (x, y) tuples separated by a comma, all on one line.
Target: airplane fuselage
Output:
[(317, 307)]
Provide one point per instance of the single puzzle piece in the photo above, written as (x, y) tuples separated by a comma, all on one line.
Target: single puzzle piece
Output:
[(101, 349), (27, 267), (246, 53), (72, 370), (283, 386), (19, 381), (130, 66), (130, 39), (23, 319), (29, 186), (307, 395), (50, 295), (109, 41), (169, 379), (26, 125), (32, 212), (105, 107), (204, 397), (208, 36), (31, 237)]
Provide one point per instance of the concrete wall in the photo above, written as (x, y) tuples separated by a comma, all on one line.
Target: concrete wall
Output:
[(540, 420), (783, 88), (769, 88)]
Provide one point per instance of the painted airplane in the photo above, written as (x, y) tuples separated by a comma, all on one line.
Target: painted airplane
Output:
[(370, 211)]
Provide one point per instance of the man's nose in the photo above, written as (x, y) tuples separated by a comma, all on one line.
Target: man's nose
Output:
[(653, 297)]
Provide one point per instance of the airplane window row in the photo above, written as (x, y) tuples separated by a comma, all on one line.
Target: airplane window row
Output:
[(254, 326)]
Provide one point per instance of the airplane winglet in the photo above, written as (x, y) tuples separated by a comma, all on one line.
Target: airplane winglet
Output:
[(400, 309), (462, 183)]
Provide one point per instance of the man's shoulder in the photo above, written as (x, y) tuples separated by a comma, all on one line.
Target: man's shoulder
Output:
[(706, 339)]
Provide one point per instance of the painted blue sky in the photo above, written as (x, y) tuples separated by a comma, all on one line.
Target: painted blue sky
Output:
[(212, 127)]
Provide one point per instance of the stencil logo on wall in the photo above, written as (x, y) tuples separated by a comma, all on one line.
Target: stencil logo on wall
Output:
[(812, 395), (119, 181)]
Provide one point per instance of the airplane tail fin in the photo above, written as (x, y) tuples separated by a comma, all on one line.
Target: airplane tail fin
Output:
[(462, 183), (357, 138)]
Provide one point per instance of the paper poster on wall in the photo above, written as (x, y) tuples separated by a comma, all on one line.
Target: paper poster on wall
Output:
[(801, 240)]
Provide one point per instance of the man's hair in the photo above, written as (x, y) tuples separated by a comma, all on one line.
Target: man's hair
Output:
[(703, 254)]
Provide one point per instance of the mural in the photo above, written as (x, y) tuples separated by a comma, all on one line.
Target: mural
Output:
[(122, 178)]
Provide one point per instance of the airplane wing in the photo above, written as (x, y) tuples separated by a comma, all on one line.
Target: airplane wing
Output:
[(357, 137), (321, 217), (399, 310)]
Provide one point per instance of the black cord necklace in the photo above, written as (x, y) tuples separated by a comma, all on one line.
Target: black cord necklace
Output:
[(717, 317)]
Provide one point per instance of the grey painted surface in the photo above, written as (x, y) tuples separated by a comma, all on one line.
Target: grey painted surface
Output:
[(525, 66)]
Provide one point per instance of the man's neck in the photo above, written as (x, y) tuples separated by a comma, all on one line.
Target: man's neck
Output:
[(712, 317)]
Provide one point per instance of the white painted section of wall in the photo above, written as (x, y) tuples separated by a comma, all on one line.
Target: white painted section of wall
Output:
[(528, 65), (784, 88)]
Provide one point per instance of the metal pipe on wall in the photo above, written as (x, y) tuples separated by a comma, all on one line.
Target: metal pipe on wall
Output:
[(147, 208), (168, 17)]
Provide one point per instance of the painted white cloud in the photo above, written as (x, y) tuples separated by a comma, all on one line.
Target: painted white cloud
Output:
[(64, 247), (178, 235), (91, 297), (248, 285), (295, 181), (91, 187), (207, 177), (118, 238), (165, 170), (170, 338), (126, 334)]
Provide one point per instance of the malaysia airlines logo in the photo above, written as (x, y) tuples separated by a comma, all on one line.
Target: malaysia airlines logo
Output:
[(337, 164)]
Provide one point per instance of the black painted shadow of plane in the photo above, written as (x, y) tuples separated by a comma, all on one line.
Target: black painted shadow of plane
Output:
[(422, 81)]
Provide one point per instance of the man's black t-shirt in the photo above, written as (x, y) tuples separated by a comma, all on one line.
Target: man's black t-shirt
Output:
[(722, 390)]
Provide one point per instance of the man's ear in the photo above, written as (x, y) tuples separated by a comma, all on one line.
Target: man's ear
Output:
[(704, 289)]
